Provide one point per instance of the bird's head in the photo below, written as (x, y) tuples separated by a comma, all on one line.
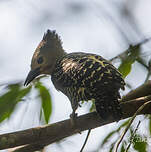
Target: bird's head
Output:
[(45, 56)]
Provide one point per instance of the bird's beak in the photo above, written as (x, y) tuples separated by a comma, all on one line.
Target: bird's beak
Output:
[(31, 75)]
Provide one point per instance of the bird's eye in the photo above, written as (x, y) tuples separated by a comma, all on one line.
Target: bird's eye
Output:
[(40, 60)]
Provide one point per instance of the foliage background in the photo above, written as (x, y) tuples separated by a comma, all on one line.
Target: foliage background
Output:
[(104, 27)]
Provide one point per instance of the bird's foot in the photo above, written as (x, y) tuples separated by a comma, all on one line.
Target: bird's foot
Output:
[(73, 118)]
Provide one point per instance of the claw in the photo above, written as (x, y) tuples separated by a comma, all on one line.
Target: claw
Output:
[(73, 117)]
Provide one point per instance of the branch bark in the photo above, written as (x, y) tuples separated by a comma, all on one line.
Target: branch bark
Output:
[(141, 91), (36, 138)]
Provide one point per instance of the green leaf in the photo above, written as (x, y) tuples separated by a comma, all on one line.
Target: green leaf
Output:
[(125, 68), (23, 92), (46, 101), (139, 143), (8, 101), (126, 64), (10, 98), (140, 146)]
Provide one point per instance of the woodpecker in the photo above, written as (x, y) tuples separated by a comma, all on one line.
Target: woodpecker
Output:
[(80, 76)]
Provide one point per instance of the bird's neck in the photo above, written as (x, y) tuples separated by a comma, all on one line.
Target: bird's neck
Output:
[(60, 54)]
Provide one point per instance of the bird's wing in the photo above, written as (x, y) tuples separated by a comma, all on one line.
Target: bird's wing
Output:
[(88, 70)]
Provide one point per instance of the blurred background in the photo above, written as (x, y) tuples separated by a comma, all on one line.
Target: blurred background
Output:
[(106, 27)]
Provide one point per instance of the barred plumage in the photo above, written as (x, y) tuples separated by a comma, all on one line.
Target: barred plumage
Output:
[(80, 76), (83, 76)]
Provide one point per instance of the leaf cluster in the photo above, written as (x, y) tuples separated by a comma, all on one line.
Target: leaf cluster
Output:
[(13, 93)]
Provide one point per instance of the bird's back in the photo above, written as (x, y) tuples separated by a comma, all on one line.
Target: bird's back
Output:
[(86, 70), (84, 76)]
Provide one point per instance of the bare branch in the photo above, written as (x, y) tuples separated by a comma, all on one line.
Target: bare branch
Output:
[(36, 138), (141, 91)]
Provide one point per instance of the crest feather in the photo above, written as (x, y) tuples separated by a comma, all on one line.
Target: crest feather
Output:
[(52, 37)]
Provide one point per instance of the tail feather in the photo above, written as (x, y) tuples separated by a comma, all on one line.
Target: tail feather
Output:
[(107, 105)]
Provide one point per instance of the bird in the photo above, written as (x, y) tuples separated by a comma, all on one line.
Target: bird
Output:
[(80, 76)]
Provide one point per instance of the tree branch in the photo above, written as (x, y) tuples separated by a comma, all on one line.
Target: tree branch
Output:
[(37, 138), (141, 91)]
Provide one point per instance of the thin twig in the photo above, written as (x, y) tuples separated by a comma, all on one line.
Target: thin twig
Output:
[(128, 50), (129, 124), (85, 140), (132, 136)]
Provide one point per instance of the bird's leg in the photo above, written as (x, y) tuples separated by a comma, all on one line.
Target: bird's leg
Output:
[(74, 115), (73, 118)]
